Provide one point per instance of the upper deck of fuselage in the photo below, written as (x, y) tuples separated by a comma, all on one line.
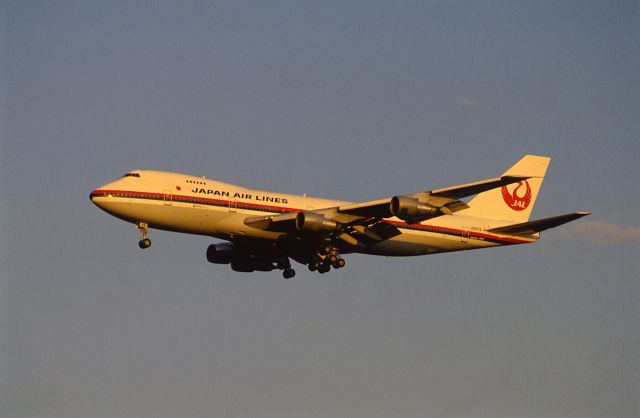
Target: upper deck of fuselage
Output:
[(180, 184)]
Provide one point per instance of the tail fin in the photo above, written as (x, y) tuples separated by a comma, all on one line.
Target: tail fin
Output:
[(515, 201)]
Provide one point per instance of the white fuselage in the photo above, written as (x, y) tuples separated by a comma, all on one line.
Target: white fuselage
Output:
[(195, 205)]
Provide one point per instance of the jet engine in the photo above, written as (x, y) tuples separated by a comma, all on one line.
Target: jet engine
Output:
[(220, 253), (240, 259), (411, 209), (312, 222)]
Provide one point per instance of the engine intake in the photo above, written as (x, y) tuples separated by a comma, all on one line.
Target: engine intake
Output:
[(220, 253), (411, 209), (312, 222)]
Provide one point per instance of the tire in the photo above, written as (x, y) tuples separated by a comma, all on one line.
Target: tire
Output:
[(283, 264), (324, 249)]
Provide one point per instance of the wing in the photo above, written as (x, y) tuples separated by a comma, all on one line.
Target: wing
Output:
[(361, 224), (420, 206)]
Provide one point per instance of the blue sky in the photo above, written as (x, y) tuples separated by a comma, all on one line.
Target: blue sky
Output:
[(351, 100)]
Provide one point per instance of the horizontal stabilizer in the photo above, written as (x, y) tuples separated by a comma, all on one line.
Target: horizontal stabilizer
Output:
[(532, 227)]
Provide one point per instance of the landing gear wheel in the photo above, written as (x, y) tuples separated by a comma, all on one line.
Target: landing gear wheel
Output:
[(288, 273), (312, 266), (144, 243), (324, 268), (283, 264), (325, 249), (333, 259), (339, 263)]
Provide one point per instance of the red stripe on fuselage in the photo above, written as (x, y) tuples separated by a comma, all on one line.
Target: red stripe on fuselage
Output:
[(458, 232), (206, 200), (177, 197)]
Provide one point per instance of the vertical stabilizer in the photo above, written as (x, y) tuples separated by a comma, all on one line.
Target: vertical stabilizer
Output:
[(515, 201)]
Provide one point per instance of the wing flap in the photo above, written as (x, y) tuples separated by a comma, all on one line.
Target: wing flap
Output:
[(532, 227)]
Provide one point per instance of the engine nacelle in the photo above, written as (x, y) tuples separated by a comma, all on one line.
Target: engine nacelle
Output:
[(411, 209), (242, 267), (220, 253), (312, 222), (240, 259), (250, 261)]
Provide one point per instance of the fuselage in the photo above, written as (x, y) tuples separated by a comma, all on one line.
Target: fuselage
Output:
[(196, 205)]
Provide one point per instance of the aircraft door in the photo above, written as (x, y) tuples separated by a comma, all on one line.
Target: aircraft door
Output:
[(168, 197), (233, 205), (465, 234)]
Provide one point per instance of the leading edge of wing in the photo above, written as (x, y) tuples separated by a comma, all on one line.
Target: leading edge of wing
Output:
[(469, 189), (284, 222)]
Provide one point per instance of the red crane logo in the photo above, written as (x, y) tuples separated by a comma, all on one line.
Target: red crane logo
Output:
[(517, 199)]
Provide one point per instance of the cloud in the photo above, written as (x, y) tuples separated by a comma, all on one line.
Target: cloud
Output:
[(467, 102), (600, 232)]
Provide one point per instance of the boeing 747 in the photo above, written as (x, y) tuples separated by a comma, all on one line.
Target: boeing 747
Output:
[(263, 230)]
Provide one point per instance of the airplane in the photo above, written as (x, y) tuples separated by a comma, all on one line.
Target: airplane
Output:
[(264, 230)]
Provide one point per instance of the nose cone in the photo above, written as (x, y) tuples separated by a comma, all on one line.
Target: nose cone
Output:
[(104, 194), (97, 196), (108, 196)]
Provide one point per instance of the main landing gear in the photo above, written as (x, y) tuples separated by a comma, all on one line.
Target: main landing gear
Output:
[(326, 257), (144, 241)]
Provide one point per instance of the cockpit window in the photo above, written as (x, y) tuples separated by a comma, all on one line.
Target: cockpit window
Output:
[(131, 175)]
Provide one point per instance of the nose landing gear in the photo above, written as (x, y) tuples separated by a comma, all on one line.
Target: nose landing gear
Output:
[(144, 241)]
